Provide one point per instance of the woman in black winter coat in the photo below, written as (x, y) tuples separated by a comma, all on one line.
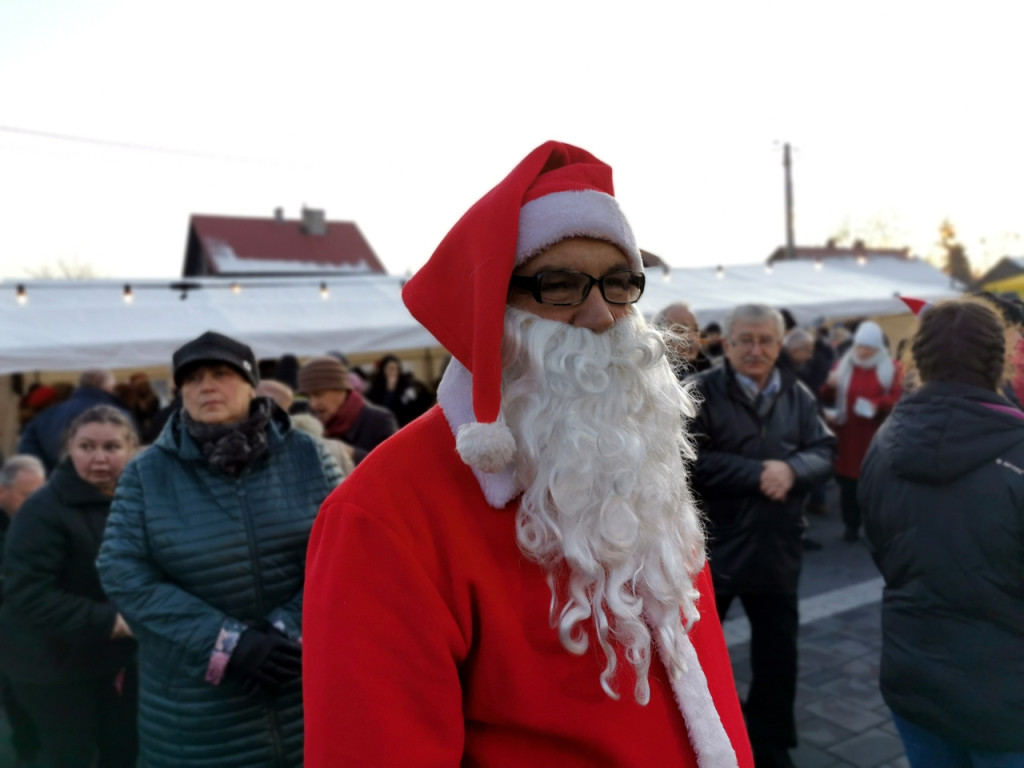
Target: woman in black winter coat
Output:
[(942, 491), (68, 652)]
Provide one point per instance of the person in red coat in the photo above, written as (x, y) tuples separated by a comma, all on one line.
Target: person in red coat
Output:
[(864, 385), (519, 576)]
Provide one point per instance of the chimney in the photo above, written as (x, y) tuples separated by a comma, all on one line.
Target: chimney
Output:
[(279, 214), (314, 221)]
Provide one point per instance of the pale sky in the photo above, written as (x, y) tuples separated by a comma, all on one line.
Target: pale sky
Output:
[(398, 116)]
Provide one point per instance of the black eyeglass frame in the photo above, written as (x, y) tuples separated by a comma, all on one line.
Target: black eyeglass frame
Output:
[(532, 284)]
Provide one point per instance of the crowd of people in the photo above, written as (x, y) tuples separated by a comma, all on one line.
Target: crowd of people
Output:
[(304, 563)]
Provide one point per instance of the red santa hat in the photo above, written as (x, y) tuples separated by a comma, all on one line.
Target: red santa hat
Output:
[(917, 306), (558, 191)]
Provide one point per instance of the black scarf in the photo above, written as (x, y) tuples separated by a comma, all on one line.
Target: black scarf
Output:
[(233, 448)]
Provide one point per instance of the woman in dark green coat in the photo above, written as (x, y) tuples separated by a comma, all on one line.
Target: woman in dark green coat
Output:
[(68, 652), (205, 554)]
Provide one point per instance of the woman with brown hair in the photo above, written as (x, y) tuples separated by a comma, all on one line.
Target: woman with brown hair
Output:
[(66, 648), (942, 492)]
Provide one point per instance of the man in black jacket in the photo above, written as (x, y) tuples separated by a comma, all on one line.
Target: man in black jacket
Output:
[(760, 448)]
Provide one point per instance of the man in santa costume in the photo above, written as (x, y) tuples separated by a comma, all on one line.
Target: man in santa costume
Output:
[(518, 578)]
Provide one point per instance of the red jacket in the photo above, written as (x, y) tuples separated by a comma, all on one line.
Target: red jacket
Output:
[(427, 640), (853, 437)]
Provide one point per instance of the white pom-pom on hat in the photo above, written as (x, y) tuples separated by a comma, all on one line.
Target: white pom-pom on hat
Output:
[(486, 446)]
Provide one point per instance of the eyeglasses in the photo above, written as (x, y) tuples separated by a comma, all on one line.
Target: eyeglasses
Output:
[(749, 342), (567, 288)]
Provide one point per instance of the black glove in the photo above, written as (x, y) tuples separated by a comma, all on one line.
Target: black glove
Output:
[(264, 658)]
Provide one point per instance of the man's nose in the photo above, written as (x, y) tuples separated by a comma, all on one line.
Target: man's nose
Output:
[(594, 313)]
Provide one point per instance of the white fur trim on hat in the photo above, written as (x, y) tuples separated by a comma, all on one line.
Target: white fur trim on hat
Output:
[(583, 213)]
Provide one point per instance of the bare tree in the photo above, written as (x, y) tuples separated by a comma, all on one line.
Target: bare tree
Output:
[(882, 229), (955, 261), (63, 270)]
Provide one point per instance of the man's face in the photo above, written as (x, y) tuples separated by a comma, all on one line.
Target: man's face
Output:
[(592, 257), (13, 496), (752, 348), (326, 402), (682, 322)]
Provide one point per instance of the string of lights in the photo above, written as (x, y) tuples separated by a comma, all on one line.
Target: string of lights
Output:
[(182, 287), (818, 265)]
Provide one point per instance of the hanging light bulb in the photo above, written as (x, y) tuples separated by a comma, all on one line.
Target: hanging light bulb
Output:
[(818, 265), (862, 260), (21, 296), (767, 269), (129, 297), (324, 293), (719, 271), (236, 288)]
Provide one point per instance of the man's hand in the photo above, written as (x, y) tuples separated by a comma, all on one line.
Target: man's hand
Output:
[(777, 477)]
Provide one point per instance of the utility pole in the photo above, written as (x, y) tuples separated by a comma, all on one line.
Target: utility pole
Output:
[(788, 166)]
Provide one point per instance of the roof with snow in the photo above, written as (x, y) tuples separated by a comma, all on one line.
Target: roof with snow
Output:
[(226, 246)]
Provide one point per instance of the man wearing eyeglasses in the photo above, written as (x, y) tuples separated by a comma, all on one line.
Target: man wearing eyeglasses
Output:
[(518, 577), (761, 447)]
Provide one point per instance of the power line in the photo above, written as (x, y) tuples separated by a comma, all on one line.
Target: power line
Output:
[(127, 145)]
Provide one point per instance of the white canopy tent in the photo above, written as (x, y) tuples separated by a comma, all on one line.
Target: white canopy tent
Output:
[(75, 325), (837, 289)]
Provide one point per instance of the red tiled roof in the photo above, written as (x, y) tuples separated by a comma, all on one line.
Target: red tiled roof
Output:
[(342, 247)]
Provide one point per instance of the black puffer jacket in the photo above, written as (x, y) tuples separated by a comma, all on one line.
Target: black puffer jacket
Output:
[(754, 541), (56, 620), (942, 493)]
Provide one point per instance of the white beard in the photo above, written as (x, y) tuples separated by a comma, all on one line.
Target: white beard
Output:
[(599, 423)]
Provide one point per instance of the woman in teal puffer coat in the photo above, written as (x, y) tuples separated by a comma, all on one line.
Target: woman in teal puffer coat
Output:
[(204, 554)]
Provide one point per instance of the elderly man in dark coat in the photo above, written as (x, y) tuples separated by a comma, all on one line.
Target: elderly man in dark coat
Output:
[(760, 448)]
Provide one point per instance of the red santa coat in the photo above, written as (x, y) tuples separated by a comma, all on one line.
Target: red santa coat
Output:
[(427, 640), (853, 437)]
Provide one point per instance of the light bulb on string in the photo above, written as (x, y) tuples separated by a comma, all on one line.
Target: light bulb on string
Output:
[(21, 295), (236, 288), (129, 297), (324, 293)]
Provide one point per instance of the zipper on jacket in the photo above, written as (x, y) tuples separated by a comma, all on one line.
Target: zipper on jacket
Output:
[(251, 541)]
